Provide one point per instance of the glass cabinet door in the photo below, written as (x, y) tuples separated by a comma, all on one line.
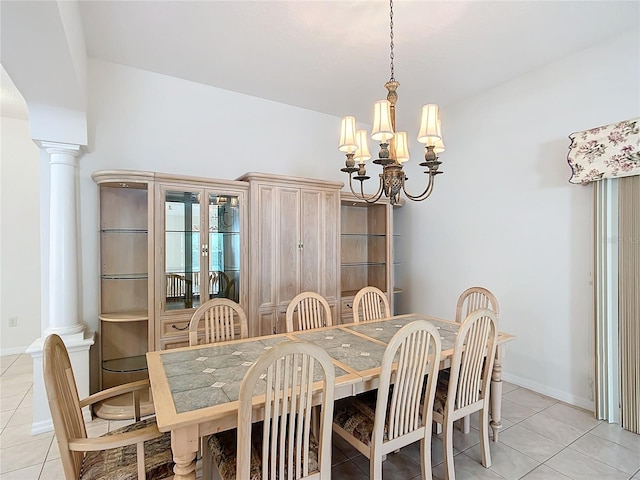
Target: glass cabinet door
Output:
[(202, 247), (182, 250), (224, 246)]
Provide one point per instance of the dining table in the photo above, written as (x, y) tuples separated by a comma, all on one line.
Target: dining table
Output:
[(195, 389)]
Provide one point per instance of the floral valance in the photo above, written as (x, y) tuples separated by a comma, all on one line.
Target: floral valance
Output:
[(605, 152)]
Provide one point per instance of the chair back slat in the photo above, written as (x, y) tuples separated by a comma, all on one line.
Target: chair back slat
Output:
[(475, 298), (370, 303), (312, 311), (223, 319), (474, 353), (416, 348), (285, 375)]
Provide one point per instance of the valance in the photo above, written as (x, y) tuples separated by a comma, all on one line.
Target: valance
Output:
[(605, 152)]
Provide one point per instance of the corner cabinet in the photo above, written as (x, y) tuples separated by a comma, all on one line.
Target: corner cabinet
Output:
[(126, 329), (201, 234), (294, 246), (367, 250)]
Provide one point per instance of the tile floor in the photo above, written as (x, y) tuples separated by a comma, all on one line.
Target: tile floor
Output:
[(542, 439)]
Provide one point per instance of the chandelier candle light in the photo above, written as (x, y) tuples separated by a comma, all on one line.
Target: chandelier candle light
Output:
[(394, 149)]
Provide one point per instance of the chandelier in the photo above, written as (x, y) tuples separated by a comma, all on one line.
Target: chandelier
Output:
[(394, 149)]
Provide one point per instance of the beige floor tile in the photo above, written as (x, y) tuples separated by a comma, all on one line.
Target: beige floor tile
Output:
[(21, 434), (28, 473), (467, 469), (5, 417), (9, 379), (7, 360), (556, 430), (21, 416), (14, 389), (616, 434), (52, 470), (545, 473), (529, 399), (514, 412), (508, 387), (24, 359), (54, 451), (18, 370), (11, 403), (116, 424), (24, 455), (576, 417), (578, 466), (530, 443), (613, 454), (27, 401), (505, 461)]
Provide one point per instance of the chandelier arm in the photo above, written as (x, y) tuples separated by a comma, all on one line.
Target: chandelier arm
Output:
[(425, 194), (373, 199)]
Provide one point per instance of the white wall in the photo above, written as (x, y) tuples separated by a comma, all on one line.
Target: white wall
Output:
[(504, 215), (19, 236)]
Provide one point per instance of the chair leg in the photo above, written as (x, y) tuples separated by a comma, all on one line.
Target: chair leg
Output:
[(438, 428), (466, 424), (484, 437), (447, 446), (375, 466), (207, 461), (425, 455)]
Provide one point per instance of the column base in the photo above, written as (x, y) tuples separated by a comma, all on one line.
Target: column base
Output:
[(78, 346)]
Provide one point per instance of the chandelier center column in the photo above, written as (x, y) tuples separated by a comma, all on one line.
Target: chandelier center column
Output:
[(63, 243)]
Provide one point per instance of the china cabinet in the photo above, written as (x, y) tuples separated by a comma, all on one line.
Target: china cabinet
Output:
[(126, 291), (200, 250), (294, 246)]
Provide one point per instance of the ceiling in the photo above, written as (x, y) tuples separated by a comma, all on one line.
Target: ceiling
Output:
[(333, 56)]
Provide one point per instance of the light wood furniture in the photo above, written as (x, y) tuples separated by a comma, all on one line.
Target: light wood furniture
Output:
[(370, 303), (193, 411), (289, 377), (223, 319), (367, 251), (121, 454), (201, 232), (466, 389), (405, 415), (310, 310), (126, 328), (294, 246), (469, 301)]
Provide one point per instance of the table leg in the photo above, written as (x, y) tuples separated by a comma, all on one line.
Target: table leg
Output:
[(184, 445), (496, 393)]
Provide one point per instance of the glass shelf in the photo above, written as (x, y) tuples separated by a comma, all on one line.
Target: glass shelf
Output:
[(363, 234), (363, 264), (125, 365), (132, 316), (124, 276), (123, 230)]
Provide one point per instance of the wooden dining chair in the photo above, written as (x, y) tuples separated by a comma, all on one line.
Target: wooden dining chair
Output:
[(223, 320), (465, 389), (311, 310), (138, 450), (373, 304), (469, 301), (282, 446), (379, 424)]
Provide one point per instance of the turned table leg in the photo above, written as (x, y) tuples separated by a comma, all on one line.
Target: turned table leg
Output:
[(184, 445), (496, 393)]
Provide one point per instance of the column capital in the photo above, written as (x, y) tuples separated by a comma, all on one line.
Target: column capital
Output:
[(61, 148)]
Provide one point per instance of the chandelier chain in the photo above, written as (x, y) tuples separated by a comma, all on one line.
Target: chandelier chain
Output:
[(392, 79)]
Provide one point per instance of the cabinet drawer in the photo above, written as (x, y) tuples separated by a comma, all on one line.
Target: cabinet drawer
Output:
[(177, 327), (168, 344)]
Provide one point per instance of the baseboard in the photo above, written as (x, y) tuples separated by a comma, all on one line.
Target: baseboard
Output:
[(12, 351), (549, 391), (42, 427)]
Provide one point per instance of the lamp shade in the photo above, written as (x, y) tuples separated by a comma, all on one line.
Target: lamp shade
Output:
[(382, 130), (429, 125), (362, 153), (402, 147), (437, 143), (348, 135)]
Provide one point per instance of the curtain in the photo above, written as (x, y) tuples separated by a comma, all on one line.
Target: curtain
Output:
[(605, 152), (629, 301)]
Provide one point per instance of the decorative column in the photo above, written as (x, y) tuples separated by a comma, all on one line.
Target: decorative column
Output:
[(63, 289)]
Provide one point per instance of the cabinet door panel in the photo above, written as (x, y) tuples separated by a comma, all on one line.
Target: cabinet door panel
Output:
[(311, 265), (264, 280), (288, 242), (331, 246)]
